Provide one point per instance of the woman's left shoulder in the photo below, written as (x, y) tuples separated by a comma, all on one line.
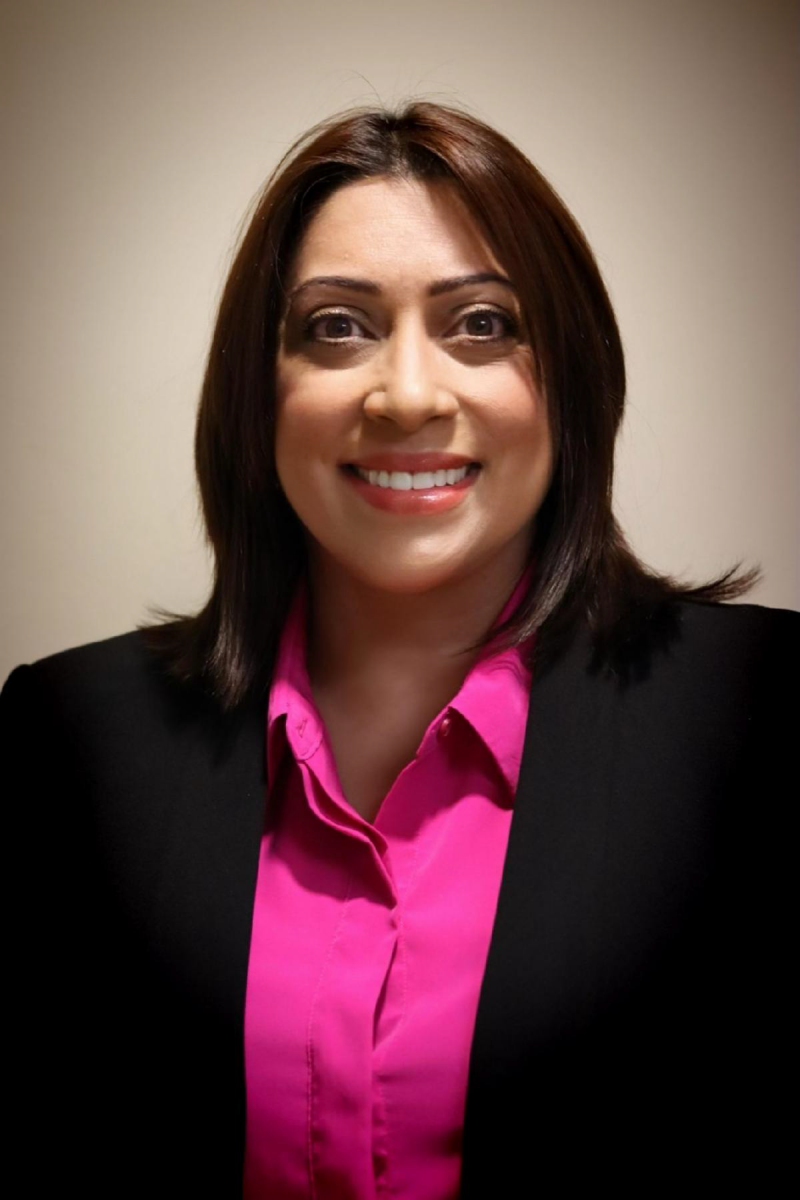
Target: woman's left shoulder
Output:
[(737, 620), (718, 650), (727, 651), (744, 629)]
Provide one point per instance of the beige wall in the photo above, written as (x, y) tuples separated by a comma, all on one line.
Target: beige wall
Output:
[(137, 134)]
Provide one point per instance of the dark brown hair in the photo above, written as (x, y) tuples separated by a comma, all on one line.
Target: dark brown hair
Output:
[(584, 569)]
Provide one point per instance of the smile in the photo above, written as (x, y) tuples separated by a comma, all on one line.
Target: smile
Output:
[(424, 492), (403, 481)]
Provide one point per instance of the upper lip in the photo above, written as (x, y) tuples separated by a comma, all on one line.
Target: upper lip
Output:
[(390, 460)]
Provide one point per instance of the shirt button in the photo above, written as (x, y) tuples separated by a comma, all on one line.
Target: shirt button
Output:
[(444, 726)]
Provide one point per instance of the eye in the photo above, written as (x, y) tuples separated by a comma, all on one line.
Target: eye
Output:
[(481, 319), (337, 326)]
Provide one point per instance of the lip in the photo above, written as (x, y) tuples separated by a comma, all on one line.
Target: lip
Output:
[(391, 460), (425, 501)]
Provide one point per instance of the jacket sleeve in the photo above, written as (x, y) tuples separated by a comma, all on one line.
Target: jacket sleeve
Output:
[(135, 822), (55, 937)]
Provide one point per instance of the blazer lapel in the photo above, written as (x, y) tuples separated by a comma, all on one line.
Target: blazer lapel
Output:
[(203, 915), (541, 968), (211, 859)]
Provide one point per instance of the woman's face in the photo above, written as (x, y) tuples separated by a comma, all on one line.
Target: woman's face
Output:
[(401, 362)]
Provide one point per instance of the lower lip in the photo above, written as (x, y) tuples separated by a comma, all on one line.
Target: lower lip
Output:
[(424, 500)]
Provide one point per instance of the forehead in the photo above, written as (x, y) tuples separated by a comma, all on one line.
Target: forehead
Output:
[(393, 227)]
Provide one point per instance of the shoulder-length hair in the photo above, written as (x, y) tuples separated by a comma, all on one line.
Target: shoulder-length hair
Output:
[(584, 569)]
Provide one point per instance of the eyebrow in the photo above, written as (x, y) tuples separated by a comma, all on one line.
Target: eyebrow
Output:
[(437, 288)]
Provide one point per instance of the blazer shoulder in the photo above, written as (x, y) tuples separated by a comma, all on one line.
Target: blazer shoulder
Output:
[(697, 645), (727, 666), (125, 651), (112, 679), (748, 631), (121, 660), (740, 616)]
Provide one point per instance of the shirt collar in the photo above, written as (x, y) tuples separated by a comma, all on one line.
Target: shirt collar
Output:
[(495, 694), (493, 697)]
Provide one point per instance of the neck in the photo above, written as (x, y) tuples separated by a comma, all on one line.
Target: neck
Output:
[(361, 636)]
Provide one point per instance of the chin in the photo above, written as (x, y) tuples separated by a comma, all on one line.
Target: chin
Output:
[(398, 576)]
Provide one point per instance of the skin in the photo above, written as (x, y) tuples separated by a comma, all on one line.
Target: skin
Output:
[(404, 594)]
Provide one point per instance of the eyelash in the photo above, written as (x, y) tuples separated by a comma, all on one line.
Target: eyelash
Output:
[(511, 326)]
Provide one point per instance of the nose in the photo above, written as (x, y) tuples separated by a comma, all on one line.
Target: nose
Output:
[(410, 389)]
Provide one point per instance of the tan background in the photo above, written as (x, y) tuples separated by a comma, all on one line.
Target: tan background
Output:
[(136, 135)]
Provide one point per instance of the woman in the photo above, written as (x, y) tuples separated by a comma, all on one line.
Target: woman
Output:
[(288, 939)]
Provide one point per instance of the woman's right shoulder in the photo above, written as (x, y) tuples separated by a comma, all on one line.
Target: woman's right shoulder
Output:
[(101, 683), (123, 650)]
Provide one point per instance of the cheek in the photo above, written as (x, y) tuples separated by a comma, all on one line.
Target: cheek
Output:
[(308, 446), (308, 420), (296, 431), (525, 458), (520, 429)]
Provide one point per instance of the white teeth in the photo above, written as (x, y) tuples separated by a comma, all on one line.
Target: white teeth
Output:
[(403, 481)]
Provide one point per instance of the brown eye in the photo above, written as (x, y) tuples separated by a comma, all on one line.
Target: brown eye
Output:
[(334, 327), (480, 324), (483, 325)]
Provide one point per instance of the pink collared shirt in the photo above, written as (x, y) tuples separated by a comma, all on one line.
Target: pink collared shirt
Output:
[(369, 941)]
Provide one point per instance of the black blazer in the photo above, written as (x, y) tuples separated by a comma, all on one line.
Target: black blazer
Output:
[(632, 1024)]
